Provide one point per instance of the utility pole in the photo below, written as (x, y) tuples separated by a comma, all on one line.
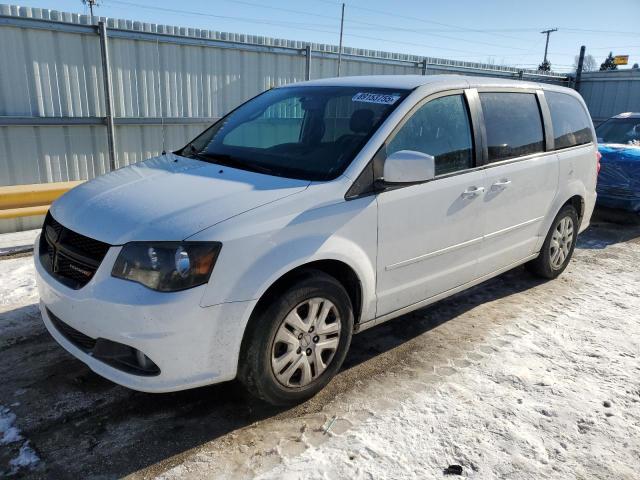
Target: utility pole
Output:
[(340, 47), (546, 47), (91, 3)]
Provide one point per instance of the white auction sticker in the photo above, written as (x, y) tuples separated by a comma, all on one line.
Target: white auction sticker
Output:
[(375, 98)]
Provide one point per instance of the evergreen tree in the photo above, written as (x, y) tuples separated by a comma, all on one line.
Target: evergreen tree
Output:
[(608, 63)]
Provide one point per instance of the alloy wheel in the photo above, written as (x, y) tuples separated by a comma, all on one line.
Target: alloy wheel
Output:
[(305, 342), (561, 242)]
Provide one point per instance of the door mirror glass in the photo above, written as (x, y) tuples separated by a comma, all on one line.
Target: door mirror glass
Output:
[(408, 166)]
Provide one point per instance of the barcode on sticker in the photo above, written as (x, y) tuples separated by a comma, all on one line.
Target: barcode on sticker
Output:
[(375, 98)]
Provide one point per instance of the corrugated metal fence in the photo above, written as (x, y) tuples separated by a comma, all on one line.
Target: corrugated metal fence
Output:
[(610, 93), (167, 84)]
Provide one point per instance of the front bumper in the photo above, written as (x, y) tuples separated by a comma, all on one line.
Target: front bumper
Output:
[(191, 345)]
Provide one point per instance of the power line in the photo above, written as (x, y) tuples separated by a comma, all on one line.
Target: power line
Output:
[(375, 26), (330, 29), (225, 17), (480, 30), (286, 23), (414, 18)]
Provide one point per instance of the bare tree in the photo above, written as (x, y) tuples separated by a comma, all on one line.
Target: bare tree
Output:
[(588, 65)]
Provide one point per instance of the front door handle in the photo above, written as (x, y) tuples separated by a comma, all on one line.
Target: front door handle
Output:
[(504, 183), (472, 192)]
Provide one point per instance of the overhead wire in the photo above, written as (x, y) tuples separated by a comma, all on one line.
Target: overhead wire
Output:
[(332, 29)]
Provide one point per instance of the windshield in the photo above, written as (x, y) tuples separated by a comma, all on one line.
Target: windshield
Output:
[(620, 130), (310, 133)]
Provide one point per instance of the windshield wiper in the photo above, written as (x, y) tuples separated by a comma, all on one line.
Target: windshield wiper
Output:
[(233, 162), (229, 161), (196, 154)]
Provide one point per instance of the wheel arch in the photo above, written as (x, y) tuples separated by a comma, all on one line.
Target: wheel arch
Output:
[(575, 195), (337, 269), (578, 202)]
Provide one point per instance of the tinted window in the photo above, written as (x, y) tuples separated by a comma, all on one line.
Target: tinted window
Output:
[(571, 125), (619, 130), (441, 129), (513, 124), (279, 123), (311, 133)]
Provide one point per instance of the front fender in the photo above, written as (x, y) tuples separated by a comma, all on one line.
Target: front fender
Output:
[(335, 248), (260, 247)]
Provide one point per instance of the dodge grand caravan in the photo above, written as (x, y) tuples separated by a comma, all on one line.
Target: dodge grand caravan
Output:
[(309, 213)]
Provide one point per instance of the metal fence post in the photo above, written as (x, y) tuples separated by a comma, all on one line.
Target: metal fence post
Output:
[(108, 94), (307, 72), (424, 66), (576, 83)]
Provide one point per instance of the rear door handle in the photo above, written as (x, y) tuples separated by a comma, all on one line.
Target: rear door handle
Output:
[(502, 183), (472, 192)]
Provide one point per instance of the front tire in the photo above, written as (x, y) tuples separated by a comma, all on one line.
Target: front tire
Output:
[(558, 247), (298, 342)]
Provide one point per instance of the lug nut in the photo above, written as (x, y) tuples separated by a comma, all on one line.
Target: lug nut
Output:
[(308, 352), (300, 337), (315, 339), (299, 351), (311, 330)]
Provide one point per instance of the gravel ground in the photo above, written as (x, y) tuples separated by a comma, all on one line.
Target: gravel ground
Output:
[(515, 378)]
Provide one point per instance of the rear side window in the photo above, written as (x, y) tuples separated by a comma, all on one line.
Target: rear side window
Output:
[(440, 128), (571, 125), (513, 124)]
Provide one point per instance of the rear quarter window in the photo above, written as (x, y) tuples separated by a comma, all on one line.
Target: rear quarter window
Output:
[(571, 124)]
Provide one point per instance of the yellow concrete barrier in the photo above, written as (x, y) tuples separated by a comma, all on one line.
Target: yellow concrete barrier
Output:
[(23, 212), (28, 200)]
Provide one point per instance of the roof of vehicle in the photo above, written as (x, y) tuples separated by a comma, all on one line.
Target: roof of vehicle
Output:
[(627, 115), (409, 82)]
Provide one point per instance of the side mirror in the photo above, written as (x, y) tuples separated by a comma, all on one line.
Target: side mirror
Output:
[(408, 166)]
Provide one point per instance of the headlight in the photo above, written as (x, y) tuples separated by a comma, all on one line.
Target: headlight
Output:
[(167, 266)]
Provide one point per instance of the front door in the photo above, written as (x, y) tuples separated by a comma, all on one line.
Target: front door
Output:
[(429, 234)]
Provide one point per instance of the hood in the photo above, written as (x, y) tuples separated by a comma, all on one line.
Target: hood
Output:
[(166, 198)]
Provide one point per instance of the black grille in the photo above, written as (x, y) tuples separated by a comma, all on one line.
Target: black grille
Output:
[(70, 257), (79, 339)]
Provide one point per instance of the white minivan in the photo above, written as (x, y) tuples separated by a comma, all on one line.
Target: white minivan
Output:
[(309, 213)]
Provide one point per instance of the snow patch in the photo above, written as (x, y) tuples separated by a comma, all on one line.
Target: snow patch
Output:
[(27, 457), (17, 241), (17, 281), (8, 431)]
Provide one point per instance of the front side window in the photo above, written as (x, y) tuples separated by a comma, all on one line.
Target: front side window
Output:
[(310, 133), (571, 125), (440, 128), (619, 130), (513, 124)]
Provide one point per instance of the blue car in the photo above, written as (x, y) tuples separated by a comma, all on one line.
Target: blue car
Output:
[(619, 178)]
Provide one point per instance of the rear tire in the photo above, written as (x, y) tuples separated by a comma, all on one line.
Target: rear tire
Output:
[(298, 341), (558, 247)]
